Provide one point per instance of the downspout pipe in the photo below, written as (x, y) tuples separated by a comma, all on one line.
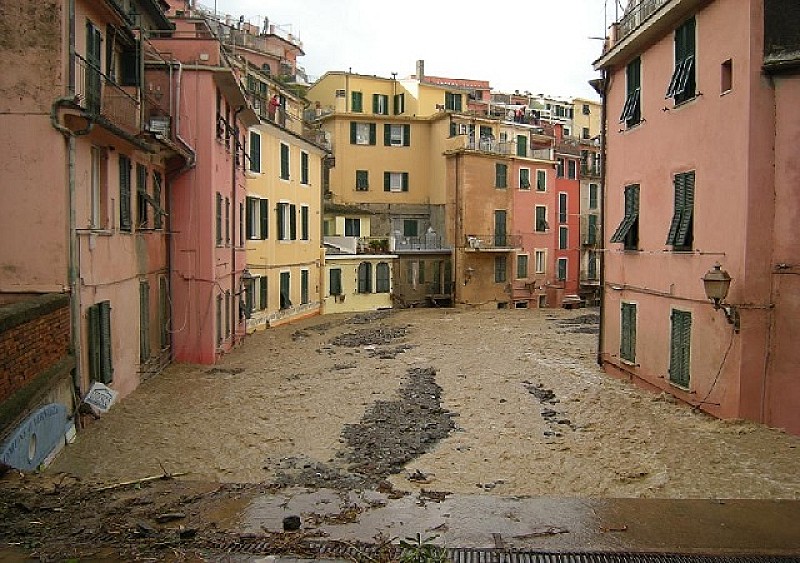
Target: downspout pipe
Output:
[(603, 159), (232, 228), (192, 154)]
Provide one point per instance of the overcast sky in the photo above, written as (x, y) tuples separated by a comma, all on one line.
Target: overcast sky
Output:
[(543, 46)]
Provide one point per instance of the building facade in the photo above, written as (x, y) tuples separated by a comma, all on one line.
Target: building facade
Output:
[(718, 194)]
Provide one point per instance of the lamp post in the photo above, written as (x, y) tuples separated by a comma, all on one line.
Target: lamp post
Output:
[(716, 283)]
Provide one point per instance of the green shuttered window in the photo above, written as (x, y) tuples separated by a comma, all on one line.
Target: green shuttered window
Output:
[(681, 233), (100, 365), (627, 337), (680, 349), (628, 230)]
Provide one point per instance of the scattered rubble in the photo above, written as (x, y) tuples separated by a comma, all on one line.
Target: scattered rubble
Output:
[(370, 336)]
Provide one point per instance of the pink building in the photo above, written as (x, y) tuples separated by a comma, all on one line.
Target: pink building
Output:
[(85, 182), (703, 177), (207, 201), (566, 221)]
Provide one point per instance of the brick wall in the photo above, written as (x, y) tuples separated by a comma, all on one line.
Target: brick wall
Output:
[(34, 337)]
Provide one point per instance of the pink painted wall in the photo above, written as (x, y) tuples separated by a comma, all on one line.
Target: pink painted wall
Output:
[(726, 138), (572, 253)]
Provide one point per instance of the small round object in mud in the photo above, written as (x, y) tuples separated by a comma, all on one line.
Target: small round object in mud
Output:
[(291, 523)]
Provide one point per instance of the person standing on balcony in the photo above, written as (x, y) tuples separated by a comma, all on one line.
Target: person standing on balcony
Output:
[(274, 102)]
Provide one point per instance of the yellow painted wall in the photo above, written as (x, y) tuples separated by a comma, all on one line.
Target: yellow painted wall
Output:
[(270, 257), (592, 121), (352, 301)]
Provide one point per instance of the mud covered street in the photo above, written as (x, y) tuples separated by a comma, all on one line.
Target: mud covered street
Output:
[(416, 406)]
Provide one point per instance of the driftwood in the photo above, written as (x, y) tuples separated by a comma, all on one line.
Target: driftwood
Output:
[(164, 475)]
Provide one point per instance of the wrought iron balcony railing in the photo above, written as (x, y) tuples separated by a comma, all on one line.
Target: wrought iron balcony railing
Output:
[(637, 13), (496, 241), (100, 96)]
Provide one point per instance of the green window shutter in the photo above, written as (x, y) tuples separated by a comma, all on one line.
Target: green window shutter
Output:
[(158, 216), (357, 105), (303, 287), (376, 103), (679, 182), (304, 168), (399, 104), (144, 322), (453, 129), (406, 135), (106, 365), (335, 281), (522, 145), (684, 235), (248, 220), (362, 180), (591, 235), (387, 134), (372, 134), (284, 162), (262, 292), (680, 350), (219, 218), (500, 174), (292, 222), (264, 209), (304, 223), (163, 312), (280, 222), (422, 271), (382, 278), (387, 181), (405, 182), (352, 132), (255, 152), (124, 193), (93, 317)]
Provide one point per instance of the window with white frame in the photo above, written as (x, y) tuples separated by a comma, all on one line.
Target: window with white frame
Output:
[(561, 274), (362, 133), (395, 181), (541, 180), (524, 179), (352, 227), (522, 266), (397, 135), (540, 261)]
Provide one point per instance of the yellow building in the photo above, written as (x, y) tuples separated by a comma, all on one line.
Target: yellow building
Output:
[(586, 118), (282, 210)]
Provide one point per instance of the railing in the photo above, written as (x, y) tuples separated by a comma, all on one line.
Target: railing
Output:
[(428, 241), (637, 14), (492, 146), (99, 95), (590, 171), (542, 154), (494, 241)]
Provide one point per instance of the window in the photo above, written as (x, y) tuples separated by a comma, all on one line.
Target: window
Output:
[(380, 104), (304, 283), (499, 269), (680, 231), (397, 135), (284, 161), (352, 227), (410, 228), (452, 101), (632, 110), (219, 320), (163, 312), (395, 181), (399, 104), (124, 193), (144, 322), (365, 277), (567, 131), (585, 133), (572, 169), (560, 168), (382, 278), (563, 238), (227, 314), (362, 133), (257, 218), (421, 272), (304, 223), (628, 230), (97, 219), (263, 286), (218, 222), (286, 286), (561, 273), (586, 110), (241, 224), (522, 145), (593, 190), (340, 93), (540, 261), (255, 152), (227, 221), (591, 270), (362, 180), (357, 104), (335, 284), (158, 210), (562, 208), (541, 219), (524, 179), (682, 84), (100, 365), (500, 237), (286, 221), (541, 180), (680, 350), (304, 179), (93, 77), (500, 175), (627, 336), (591, 230), (522, 266), (726, 77)]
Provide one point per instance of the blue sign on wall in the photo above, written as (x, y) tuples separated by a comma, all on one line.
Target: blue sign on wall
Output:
[(35, 438)]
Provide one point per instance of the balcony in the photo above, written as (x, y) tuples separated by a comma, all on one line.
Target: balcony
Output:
[(637, 14), (428, 242), (498, 242), (490, 146), (590, 172), (101, 97)]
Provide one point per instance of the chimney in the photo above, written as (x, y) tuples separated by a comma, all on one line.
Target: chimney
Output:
[(420, 70)]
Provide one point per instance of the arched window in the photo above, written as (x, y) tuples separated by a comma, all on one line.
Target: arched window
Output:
[(382, 278), (365, 277)]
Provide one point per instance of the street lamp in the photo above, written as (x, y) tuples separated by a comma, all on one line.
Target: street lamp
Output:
[(716, 283)]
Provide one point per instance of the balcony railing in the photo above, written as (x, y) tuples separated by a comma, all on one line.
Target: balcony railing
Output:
[(496, 241), (428, 241), (101, 96), (590, 171), (637, 14), (492, 146)]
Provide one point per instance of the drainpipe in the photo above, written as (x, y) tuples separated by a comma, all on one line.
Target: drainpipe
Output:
[(603, 132), (192, 155)]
